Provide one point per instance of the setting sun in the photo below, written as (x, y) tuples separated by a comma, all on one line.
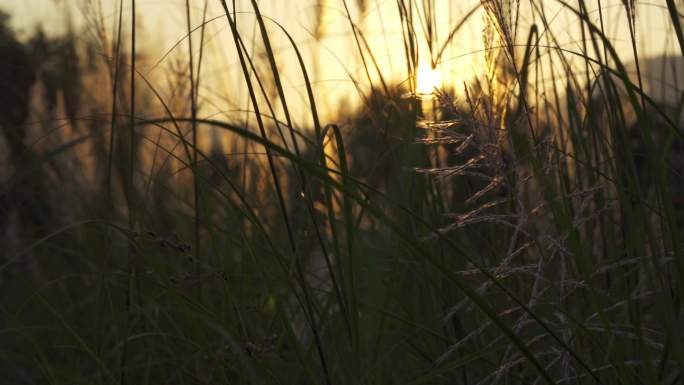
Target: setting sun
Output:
[(427, 79)]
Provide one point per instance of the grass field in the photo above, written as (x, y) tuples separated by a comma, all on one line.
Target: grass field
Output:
[(520, 227)]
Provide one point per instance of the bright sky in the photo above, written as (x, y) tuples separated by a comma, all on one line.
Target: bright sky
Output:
[(336, 58)]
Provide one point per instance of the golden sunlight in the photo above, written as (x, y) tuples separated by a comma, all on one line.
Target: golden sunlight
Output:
[(427, 79)]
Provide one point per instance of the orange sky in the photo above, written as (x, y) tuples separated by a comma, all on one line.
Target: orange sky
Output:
[(337, 57)]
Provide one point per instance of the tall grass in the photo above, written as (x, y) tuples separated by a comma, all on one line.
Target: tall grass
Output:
[(523, 227)]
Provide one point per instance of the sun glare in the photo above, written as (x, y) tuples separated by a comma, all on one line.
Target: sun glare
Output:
[(427, 79)]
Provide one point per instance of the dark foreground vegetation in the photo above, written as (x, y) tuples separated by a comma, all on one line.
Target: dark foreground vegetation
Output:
[(527, 231)]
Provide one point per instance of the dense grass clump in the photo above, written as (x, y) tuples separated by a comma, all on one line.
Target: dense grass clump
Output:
[(523, 227)]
